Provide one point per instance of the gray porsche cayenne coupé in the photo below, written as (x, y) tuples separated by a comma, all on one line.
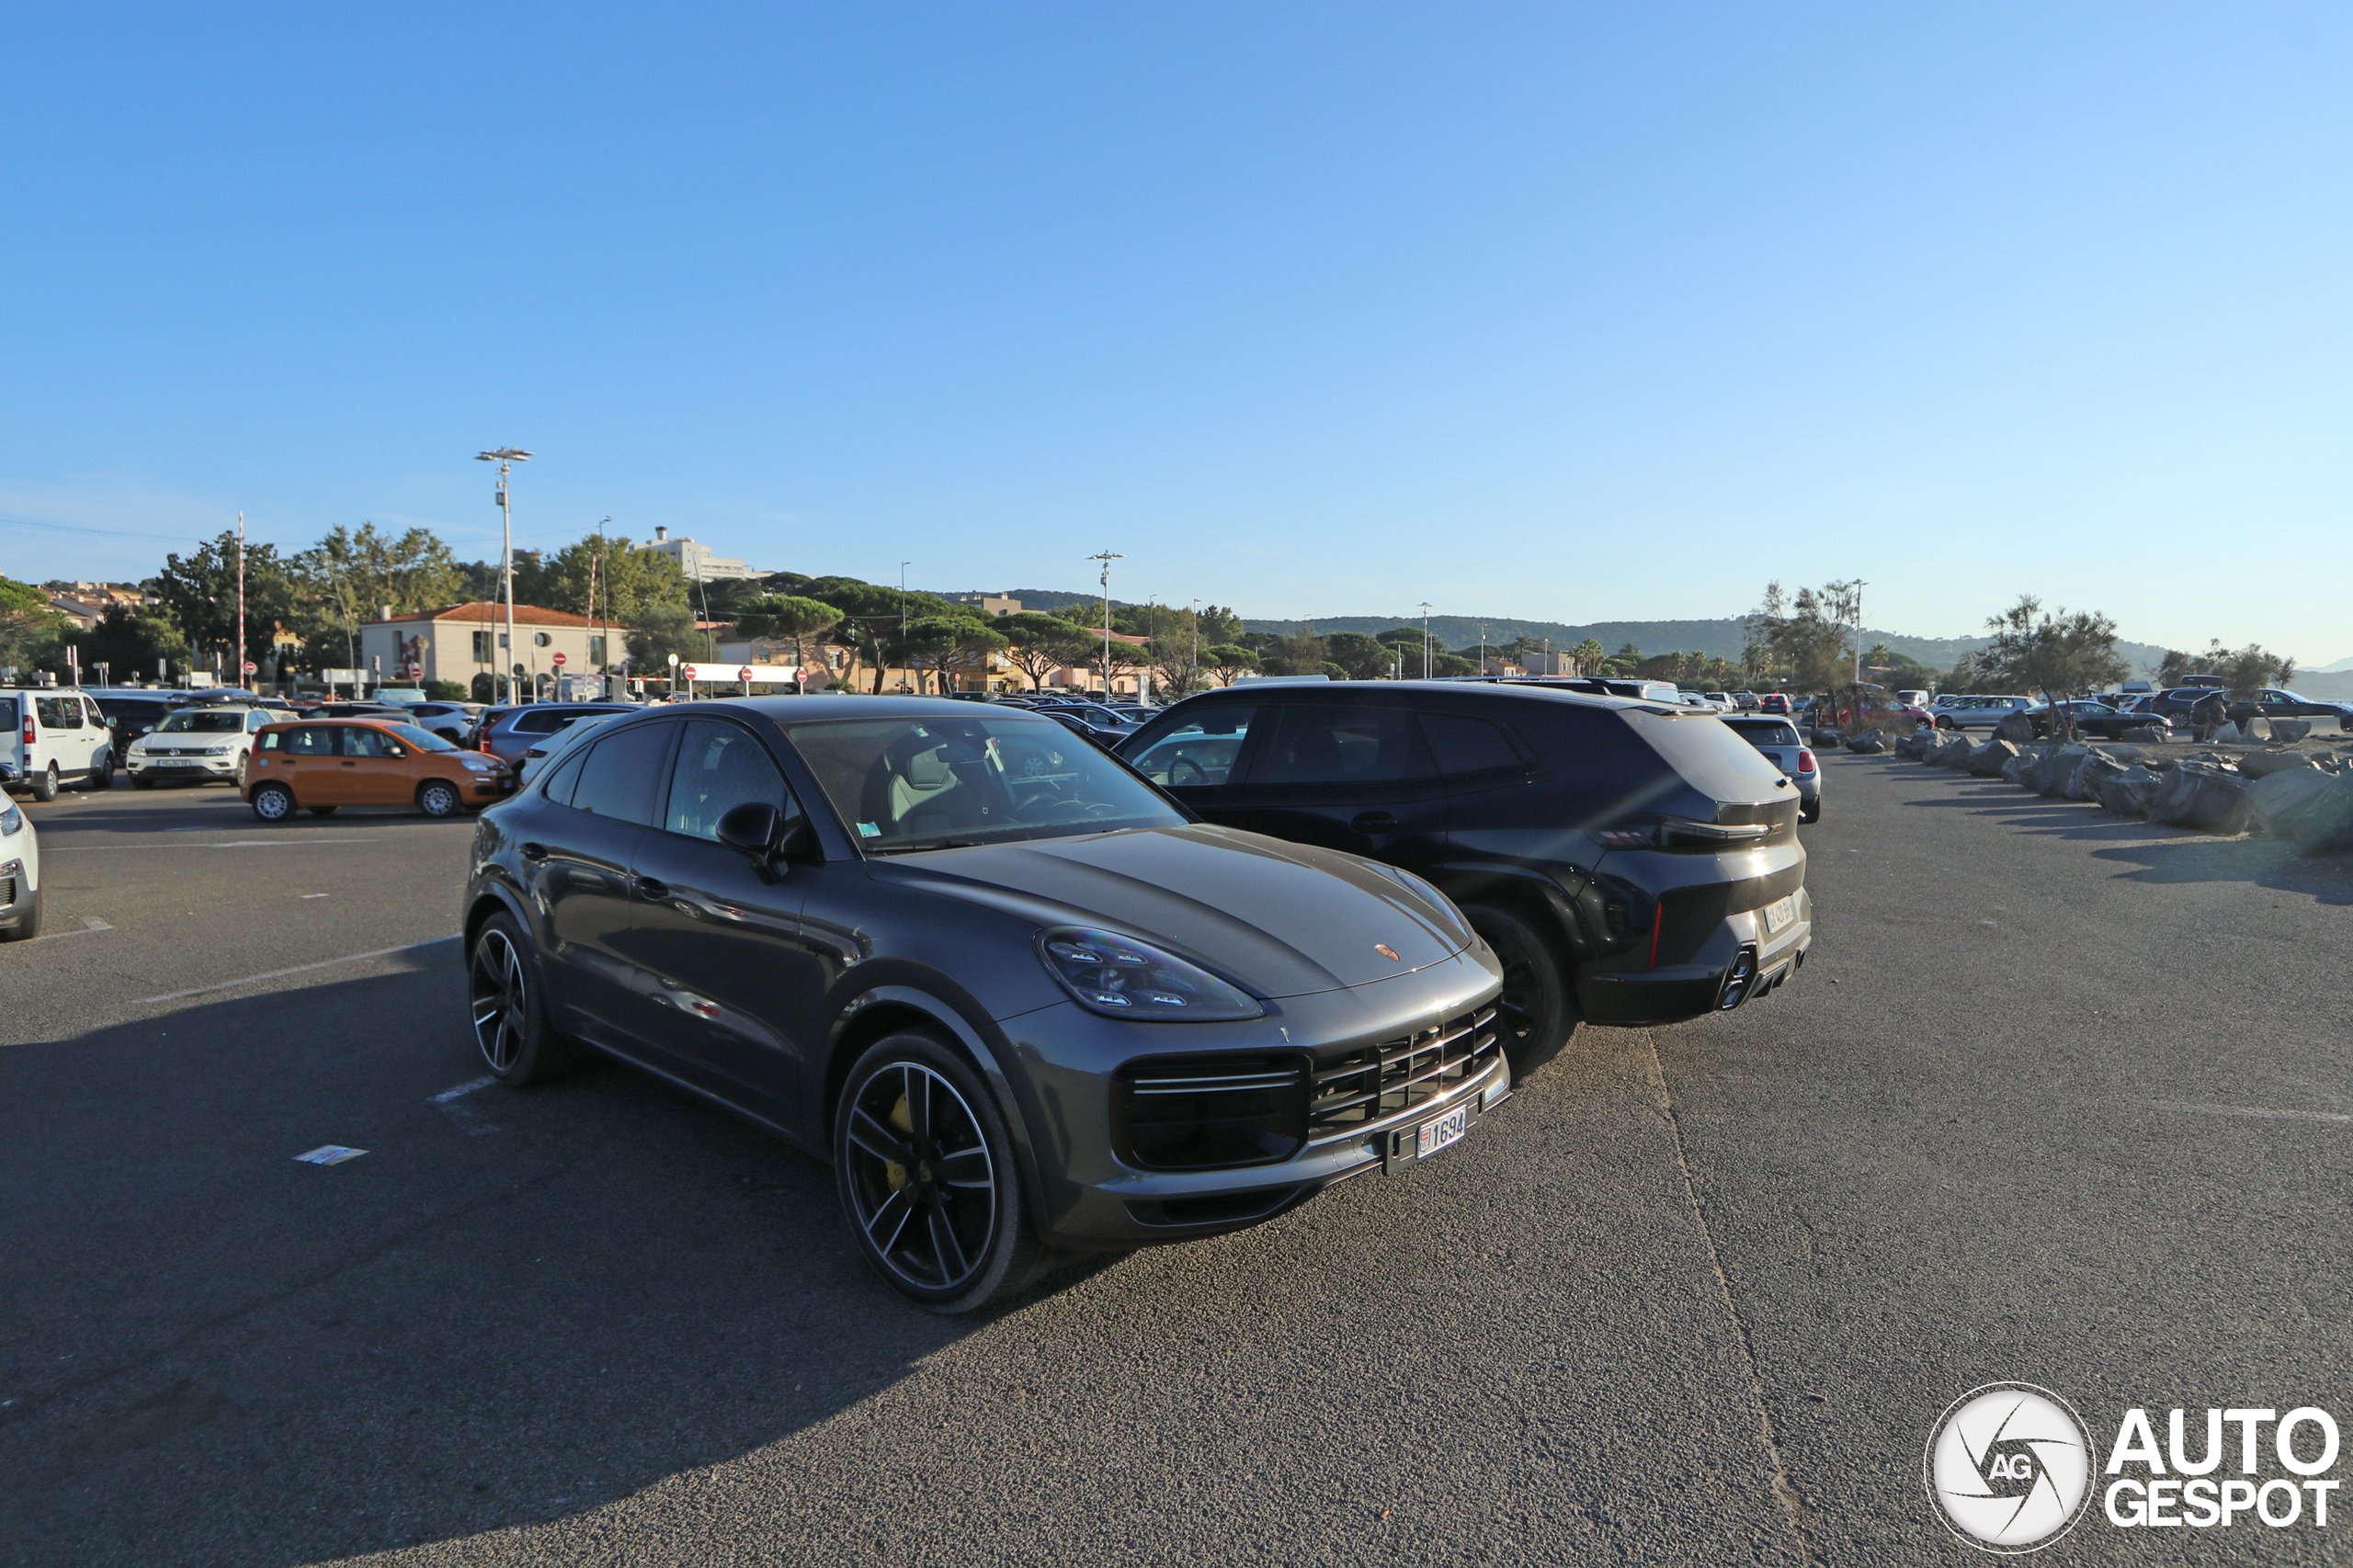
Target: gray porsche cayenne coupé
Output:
[(1024, 1003)]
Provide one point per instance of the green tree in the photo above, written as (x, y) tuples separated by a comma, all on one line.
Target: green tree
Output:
[(29, 628), (129, 640), (2052, 652), (2245, 670), (788, 618), (1302, 652), (1359, 656), (1588, 655), (1229, 662), (200, 595), (1038, 644), (352, 576), (947, 646)]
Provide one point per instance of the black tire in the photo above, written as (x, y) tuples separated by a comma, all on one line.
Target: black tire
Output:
[(138, 781), (929, 1178), (321, 810), (506, 1009), (1811, 811), (438, 798), (273, 802), (101, 777), (242, 763), (45, 783), (27, 927), (1537, 1012)]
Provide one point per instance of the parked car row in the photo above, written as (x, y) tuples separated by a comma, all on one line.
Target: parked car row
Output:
[(1032, 996)]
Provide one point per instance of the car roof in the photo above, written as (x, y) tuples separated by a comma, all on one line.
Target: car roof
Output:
[(1487, 687)]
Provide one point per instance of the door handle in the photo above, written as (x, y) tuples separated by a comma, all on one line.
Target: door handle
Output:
[(535, 851), (650, 891), (1374, 821), (348, 763)]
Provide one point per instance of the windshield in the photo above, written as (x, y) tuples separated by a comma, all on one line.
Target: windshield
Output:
[(420, 738), (930, 783), (203, 722)]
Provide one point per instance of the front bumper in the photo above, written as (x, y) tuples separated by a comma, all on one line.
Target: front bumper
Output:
[(143, 765), (1091, 1198), (16, 894)]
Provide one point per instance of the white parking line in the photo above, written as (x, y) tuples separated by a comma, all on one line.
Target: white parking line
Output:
[(468, 1087), (91, 925), (2258, 1112), (282, 973)]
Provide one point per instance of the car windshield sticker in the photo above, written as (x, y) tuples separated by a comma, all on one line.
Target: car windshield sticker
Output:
[(868, 830)]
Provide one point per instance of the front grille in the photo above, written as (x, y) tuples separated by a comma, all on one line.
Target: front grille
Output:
[(7, 892), (1372, 1085), (1204, 1113)]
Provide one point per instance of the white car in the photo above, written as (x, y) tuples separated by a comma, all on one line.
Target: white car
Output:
[(532, 762), (19, 872), (54, 736), (196, 743), (1957, 712)]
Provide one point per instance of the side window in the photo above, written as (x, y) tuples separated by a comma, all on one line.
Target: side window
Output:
[(360, 740), (559, 783), (720, 766), (540, 723), (57, 713), (256, 720), (622, 776), (91, 716), (1465, 745), (270, 740), (1198, 751), (8, 713), (1331, 742), (312, 740)]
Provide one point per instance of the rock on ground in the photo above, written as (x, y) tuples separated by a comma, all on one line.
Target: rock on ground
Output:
[(2305, 807), (2201, 795), (1987, 761), (2126, 792)]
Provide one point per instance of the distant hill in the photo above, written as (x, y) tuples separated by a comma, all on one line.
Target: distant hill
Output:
[(1722, 638)]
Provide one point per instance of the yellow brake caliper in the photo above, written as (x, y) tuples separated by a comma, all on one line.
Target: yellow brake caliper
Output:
[(900, 1120)]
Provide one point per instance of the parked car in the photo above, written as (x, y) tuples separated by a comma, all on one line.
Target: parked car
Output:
[(201, 743), (19, 866), (342, 709), (531, 761), (1022, 1002), (1776, 702), (1974, 713), (2096, 719), (131, 713), (55, 736), (1630, 863), (450, 721), (1778, 740), (1745, 701), (324, 765), (1912, 699), (2180, 704), (508, 732), (2274, 703)]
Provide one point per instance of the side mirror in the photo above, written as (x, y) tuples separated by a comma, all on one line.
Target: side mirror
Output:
[(762, 833)]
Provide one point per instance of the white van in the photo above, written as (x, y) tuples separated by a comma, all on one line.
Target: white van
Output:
[(55, 736)]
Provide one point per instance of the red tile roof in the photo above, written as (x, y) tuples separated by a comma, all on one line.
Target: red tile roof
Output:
[(487, 611)]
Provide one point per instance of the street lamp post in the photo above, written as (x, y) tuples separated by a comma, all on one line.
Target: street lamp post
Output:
[(1425, 640), (1107, 557), (1860, 587), (505, 456)]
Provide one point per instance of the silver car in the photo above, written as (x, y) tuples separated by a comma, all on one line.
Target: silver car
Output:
[(1779, 741), (1976, 712)]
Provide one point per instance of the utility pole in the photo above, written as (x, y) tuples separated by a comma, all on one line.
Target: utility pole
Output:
[(505, 456), (1860, 587), (1107, 557), (1482, 647), (1193, 665), (241, 600), (1425, 640)]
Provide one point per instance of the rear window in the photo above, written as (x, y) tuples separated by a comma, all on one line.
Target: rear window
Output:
[(1465, 745), (137, 712), (1771, 732), (1699, 749)]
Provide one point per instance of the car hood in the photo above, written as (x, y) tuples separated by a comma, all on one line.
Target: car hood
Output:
[(1282, 919)]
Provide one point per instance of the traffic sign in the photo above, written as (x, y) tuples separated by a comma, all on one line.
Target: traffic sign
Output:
[(744, 674), (557, 661), (251, 668)]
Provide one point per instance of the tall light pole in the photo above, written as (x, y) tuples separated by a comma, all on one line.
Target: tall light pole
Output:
[(241, 600), (1425, 640), (504, 456), (1107, 557), (1193, 665)]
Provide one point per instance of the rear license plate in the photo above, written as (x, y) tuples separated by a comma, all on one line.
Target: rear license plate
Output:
[(1440, 1130), (1782, 912)]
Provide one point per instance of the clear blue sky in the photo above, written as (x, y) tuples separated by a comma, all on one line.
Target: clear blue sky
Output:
[(1559, 312)]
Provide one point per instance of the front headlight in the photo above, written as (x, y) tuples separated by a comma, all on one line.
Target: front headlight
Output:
[(476, 761), (1123, 978), (218, 751), (11, 820)]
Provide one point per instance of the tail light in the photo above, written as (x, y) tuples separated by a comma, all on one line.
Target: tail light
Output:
[(31, 733), (1805, 759)]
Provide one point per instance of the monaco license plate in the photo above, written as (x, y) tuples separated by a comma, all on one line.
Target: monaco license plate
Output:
[(177, 762), (1780, 914), (1440, 1130)]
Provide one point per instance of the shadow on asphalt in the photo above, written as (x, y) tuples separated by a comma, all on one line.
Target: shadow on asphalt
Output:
[(2162, 854), (515, 1306), (208, 808)]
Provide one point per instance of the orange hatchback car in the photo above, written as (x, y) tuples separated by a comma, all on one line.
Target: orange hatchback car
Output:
[(325, 764)]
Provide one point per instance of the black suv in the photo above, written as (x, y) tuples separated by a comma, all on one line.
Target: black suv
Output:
[(1629, 862)]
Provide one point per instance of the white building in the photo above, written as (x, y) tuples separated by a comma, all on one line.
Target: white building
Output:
[(695, 562)]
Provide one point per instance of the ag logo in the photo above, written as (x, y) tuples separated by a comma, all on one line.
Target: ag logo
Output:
[(2009, 1467)]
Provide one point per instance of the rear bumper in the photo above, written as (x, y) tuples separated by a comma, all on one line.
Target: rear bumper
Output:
[(1739, 963)]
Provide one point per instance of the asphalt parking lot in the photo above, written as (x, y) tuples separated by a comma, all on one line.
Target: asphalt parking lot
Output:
[(2061, 1099)]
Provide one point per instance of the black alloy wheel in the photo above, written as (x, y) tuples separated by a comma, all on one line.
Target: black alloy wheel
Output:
[(273, 802), (1537, 1012), (927, 1177), (507, 1011)]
